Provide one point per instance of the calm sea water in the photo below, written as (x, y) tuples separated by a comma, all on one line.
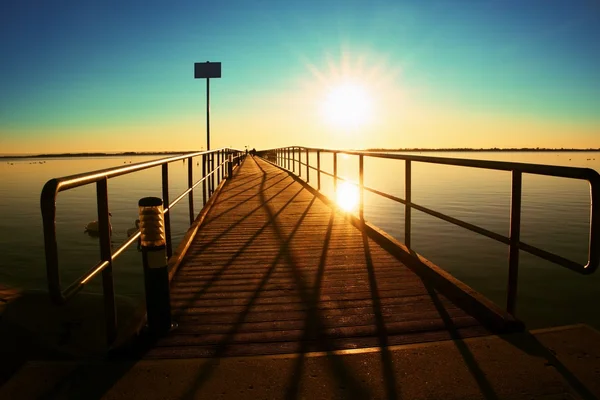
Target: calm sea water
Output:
[(555, 217)]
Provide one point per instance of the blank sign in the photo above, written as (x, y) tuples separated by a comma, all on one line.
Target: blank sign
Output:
[(207, 70)]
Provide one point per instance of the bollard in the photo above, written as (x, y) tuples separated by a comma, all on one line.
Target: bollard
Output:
[(154, 259)]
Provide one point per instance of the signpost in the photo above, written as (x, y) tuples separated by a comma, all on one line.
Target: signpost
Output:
[(206, 71)]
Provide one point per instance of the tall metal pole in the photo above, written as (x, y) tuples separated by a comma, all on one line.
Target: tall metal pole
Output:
[(207, 114)]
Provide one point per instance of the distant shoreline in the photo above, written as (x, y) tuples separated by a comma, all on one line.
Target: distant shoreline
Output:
[(169, 153), (490, 150), (99, 154)]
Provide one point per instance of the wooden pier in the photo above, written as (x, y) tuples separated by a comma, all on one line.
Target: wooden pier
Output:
[(274, 269)]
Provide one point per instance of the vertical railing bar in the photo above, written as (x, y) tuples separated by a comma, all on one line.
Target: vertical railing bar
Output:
[(293, 159), (407, 205), (204, 179), (318, 170), (307, 168), (190, 184), (515, 237), (108, 289), (594, 236), (288, 158), (212, 176), (218, 167), (299, 162), (48, 204), (165, 194), (335, 173), (361, 182)]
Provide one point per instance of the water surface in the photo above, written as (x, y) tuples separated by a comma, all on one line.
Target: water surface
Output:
[(555, 217)]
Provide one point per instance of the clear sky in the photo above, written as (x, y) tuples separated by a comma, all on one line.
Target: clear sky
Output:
[(92, 75)]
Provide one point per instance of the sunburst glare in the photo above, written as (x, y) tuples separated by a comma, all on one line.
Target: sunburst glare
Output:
[(347, 105), (351, 91)]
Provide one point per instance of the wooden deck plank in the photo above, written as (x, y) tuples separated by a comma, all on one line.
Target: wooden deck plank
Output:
[(274, 270)]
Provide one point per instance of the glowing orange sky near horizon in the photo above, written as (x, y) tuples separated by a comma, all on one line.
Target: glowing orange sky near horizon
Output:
[(399, 116)]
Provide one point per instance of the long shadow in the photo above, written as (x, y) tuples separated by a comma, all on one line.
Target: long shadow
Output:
[(484, 385), (528, 343), (522, 340), (239, 221), (89, 381), (310, 329), (215, 277), (239, 203), (244, 181), (386, 357), (205, 373), (339, 369)]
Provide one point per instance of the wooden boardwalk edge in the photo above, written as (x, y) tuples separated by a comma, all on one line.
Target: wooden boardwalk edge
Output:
[(470, 300), (179, 254), (172, 266)]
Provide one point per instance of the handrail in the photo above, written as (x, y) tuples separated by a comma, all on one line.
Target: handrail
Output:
[(49, 194), (285, 157)]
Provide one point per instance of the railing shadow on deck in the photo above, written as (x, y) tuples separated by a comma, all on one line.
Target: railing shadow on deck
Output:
[(313, 325), (295, 159), (513, 332)]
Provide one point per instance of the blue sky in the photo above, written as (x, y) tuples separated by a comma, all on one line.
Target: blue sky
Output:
[(117, 76)]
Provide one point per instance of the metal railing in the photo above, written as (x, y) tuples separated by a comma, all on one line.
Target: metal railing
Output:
[(211, 172), (288, 157)]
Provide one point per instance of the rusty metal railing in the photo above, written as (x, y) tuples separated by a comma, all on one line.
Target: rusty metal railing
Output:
[(290, 158), (211, 172)]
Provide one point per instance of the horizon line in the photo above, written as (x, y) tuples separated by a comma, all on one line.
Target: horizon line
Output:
[(411, 149)]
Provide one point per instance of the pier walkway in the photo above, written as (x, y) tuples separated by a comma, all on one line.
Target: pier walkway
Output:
[(273, 269)]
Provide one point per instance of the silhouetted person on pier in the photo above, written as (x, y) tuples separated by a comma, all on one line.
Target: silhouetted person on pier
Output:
[(253, 152)]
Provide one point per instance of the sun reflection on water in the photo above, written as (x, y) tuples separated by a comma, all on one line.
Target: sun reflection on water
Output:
[(347, 196)]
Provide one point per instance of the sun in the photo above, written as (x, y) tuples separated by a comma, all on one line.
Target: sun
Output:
[(347, 196), (347, 104), (351, 94)]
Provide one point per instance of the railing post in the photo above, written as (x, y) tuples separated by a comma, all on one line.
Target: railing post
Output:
[(230, 166), (110, 312), (218, 167), (165, 194), (204, 181), (334, 173), (515, 237), (299, 162), (221, 165), (407, 205), (190, 184), (48, 204), (361, 182), (212, 170), (288, 158), (307, 168), (318, 170), (293, 151)]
